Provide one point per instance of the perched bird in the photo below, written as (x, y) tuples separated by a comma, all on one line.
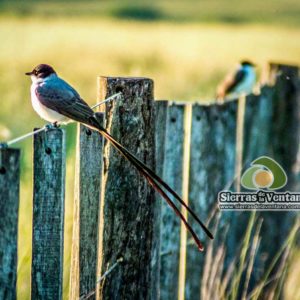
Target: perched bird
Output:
[(240, 82), (56, 101)]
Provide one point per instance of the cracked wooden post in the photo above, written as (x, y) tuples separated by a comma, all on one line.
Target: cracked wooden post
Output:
[(9, 207), (48, 215), (83, 275), (170, 223), (128, 201)]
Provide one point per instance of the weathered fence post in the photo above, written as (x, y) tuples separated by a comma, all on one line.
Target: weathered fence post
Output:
[(206, 166), (212, 166), (128, 201), (286, 120), (83, 275), (48, 215), (161, 108), (258, 122), (170, 223), (9, 207), (256, 143), (285, 149)]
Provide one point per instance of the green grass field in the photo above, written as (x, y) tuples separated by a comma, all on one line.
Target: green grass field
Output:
[(214, 11), (186, 47)]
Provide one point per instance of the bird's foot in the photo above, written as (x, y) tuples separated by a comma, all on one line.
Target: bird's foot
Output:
[(52, 126), (56, 125)]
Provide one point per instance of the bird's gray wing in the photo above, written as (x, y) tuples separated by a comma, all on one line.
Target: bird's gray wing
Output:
[(236, 80), (62, 98)]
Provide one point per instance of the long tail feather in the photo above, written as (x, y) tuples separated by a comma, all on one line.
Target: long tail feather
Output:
[(171, 191), (154, 184), (165, 185), (155, 180)]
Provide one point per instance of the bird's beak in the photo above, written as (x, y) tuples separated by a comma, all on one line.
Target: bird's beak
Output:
[(29, 73)]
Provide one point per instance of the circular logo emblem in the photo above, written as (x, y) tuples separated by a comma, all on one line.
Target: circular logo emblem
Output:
[(264, 173)]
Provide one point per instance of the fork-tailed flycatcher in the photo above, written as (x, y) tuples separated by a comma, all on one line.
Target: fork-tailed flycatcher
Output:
[(56, 101)]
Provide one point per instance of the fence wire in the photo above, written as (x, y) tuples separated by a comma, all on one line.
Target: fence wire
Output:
[(32, 133), (93, 292)]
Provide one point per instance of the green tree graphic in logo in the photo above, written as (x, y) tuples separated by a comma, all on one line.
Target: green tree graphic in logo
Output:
[(264, 173)]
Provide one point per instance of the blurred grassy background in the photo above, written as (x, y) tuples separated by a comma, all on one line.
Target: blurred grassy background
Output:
[(185, 46)]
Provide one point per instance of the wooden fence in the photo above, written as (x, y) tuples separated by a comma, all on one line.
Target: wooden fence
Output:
[(121, 229)]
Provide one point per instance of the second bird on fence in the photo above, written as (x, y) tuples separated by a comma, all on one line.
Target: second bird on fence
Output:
[(57, 102), (241, 81)]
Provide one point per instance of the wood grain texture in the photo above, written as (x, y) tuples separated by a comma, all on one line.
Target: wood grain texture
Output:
[(83, 275), (170, 223), (128, 202), (48, 215), (161, 108), (9, 207), (212, 163)]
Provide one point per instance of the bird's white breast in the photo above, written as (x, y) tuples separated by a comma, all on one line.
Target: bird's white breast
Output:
[(44, 112), (247, 84)]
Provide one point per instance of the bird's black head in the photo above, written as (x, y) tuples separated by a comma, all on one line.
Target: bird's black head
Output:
[(245, 63), (41, 71)]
